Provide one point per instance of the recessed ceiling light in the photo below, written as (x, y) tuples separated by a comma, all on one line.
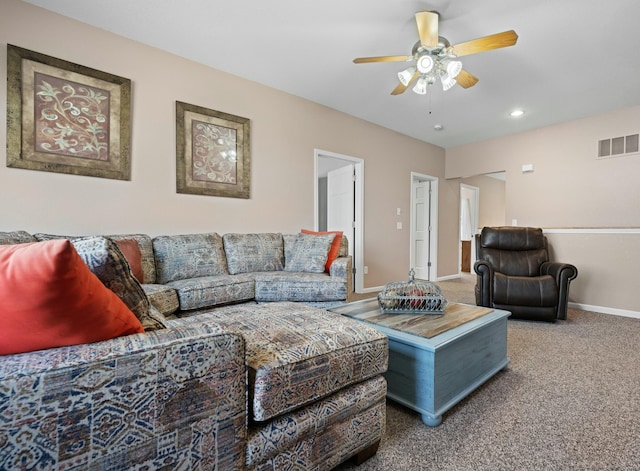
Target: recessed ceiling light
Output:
[(516, 113), (438, 127)]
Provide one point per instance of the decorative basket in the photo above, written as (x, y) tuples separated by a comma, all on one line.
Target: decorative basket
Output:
[(412, 297)]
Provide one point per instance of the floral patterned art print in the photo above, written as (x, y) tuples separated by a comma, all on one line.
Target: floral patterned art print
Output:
[(66, 118), (212, 152), (71, 118)]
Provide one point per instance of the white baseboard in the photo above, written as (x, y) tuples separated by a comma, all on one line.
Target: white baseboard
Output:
[(606, 310), (449, 277), (371, 290)]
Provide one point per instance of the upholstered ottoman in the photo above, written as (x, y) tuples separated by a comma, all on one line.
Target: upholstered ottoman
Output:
[(316, 393)]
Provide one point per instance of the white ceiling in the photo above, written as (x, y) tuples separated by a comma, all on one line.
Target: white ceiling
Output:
[(574, 58)]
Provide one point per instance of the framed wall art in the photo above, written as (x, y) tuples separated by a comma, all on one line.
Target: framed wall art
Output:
[(212, 152), (66, 118)]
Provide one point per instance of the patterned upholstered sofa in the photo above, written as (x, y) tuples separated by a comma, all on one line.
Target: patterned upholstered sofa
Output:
[(195, 271), (264, 386)]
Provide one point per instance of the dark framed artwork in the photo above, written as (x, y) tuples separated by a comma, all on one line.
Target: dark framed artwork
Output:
[(66, 118), (213, 155)]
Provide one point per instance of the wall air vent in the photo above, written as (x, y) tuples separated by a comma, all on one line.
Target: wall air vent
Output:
[(618, 146)]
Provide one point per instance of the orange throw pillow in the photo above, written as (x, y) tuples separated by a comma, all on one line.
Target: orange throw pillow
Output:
[(131, 251), (335, 245), (49, 298)]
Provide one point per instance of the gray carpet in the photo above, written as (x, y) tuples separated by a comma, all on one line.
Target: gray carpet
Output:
[(569, 400)]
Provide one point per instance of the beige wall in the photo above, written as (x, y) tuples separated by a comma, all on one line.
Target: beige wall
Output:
[(285, 130), (570, 189), (607, 262), (569, 186)]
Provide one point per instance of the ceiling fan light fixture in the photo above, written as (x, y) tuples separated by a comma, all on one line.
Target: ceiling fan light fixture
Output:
[(447, 82), (421, 86), (454, 68), (424, 63), (406, 75)]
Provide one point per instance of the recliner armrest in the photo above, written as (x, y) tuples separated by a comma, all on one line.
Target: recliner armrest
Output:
[(484, 285), (563, 273)]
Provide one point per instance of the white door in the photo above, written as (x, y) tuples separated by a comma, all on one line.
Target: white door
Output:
[(423, 246), (420, 234), (469, 209), (341, 203)]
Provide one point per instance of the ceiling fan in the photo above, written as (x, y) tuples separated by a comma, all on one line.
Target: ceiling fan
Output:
[(435, 57)]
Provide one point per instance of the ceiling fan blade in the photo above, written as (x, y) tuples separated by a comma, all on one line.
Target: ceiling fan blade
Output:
[(487, 43), (402, 88), (466, 80), (427, 22), (364, 60)]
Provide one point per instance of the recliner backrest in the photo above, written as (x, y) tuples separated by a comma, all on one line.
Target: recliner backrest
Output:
[(513, 251)]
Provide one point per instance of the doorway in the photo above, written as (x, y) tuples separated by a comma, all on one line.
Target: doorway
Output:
[(423, 248), (469, 204), (339, 203)]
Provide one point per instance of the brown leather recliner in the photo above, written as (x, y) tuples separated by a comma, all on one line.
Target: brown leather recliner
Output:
[(515, 274)]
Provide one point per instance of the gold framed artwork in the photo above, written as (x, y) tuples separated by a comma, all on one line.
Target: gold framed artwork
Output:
[(66, 118), (212, 152)]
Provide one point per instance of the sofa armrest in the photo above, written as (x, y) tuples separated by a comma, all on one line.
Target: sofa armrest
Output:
[(340, 267), (168, 398), (563, 273)]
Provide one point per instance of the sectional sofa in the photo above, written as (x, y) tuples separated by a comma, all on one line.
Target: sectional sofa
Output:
[(194, 271), (228, 366)]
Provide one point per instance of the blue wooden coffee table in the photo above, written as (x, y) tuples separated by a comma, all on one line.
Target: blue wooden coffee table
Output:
[(465, 347)]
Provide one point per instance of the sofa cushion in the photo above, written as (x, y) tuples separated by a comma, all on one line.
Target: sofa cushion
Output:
[(335, 246), (309, 253), (298, 354), (104, 258), (16, 237), (362, 406), (301, 287), (539, 291), (181, 257), (50, 298), (164, 298), (248, 253), (41, 236), (207, 291)]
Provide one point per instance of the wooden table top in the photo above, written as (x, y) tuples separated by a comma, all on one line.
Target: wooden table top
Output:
[(423, 325)]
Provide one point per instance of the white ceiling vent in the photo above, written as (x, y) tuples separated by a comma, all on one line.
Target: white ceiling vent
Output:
[(618, 146)]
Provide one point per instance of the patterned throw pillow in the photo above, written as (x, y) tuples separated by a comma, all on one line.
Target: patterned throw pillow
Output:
[(309, 253), (335, 246), (106, 261)]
